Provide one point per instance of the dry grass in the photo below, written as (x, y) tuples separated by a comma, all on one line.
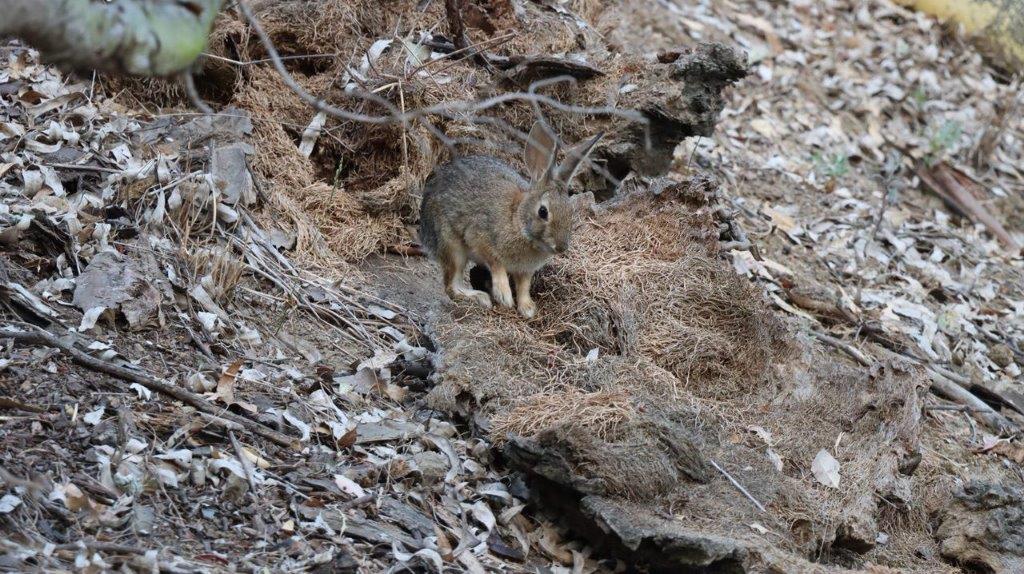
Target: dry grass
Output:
[(688, 353), (601, 413)]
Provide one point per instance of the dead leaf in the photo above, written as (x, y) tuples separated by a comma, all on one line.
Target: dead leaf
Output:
[(780, 219), (826, 469), (226, 383), (550, 543), (761, 25), (1010, 450), (8, 503), (256, 458), (348, 486), (311, 133), (348, 439), (764, 127)]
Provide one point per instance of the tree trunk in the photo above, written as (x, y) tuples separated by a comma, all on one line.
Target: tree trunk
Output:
[(137, 37)]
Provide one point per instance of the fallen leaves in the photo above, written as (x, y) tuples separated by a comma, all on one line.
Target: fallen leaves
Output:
[(826, 469), (962, 193)]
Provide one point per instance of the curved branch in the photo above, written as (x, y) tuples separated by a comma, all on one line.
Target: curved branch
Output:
[(138, 37)]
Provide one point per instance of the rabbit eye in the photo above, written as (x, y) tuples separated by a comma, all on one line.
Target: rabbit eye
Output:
[(543, 212)]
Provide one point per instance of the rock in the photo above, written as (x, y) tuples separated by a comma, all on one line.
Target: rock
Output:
[(433, 465), (1001, 355), (663, 545), (231, 170), (387, 431), (684, 99), (410, 518), (115, 283), (984, 528), (342, 563)]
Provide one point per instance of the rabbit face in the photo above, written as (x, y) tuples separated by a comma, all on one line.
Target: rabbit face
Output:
[(547, 221)]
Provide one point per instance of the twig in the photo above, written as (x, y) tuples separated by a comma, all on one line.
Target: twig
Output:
[(457, 27), (946, 385), (488, 43), (737, 485), (40, 336), (960, 408), (266, 60), (220, 422), (844, 347), (741, 243), (943, 380), (103, 547), (6, 403), (72, 166), (111, 548), (246, 463), (357, 502), (946, 388), (189, 82), (289, 80)]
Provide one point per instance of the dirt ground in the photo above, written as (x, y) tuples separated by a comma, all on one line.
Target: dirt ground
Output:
[(737, 367)]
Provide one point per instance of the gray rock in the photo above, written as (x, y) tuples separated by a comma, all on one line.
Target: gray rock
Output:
[(432, 465), (116, 283), (231, 170), (984, 527)]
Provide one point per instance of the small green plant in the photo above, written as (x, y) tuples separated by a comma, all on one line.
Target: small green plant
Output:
[(919, 97), (943, 139), (337, 173), (831, 165)]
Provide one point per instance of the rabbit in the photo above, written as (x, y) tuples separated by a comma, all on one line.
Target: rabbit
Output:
[(479, 209)]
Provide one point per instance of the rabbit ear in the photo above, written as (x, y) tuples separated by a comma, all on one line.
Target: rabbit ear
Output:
[(574, 158), (540, 152)]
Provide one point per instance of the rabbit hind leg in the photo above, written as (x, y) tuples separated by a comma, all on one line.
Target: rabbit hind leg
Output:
[(453, 261)]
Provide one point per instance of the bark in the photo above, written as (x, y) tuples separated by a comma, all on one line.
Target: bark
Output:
[(998, 25), (136, 37)]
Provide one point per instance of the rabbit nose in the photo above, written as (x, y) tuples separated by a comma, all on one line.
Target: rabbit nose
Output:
[(561, 247)]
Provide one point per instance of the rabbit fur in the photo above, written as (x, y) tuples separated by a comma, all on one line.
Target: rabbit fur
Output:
[(478, 208)]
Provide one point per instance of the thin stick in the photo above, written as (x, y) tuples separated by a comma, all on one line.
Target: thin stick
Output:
[(246, 463), (85, 167), (737, 485), (189, 82), (961, 408), (450, 55), (40, 336), (844, 347), (318, 104), (946, 388), (266, 60)]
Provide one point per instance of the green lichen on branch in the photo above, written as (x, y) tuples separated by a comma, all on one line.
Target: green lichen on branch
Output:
[(137, 37)]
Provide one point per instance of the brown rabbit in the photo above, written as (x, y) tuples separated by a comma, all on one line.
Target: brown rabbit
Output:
[(479, 209)]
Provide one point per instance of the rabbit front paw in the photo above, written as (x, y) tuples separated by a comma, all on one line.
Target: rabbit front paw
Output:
[(527, 308)]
